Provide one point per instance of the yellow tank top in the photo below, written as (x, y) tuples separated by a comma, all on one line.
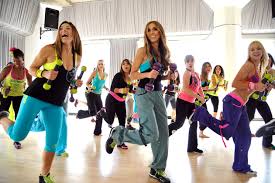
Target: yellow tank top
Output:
[(218, 81), (13, 87)]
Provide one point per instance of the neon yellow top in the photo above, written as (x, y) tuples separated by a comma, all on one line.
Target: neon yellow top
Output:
[(50, 66), (16, 87), (218, 81)]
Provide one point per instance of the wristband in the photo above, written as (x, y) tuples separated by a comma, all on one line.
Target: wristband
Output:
[(38, 73), (251, 86)]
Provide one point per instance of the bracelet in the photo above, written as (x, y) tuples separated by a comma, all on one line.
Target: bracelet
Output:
[(38, 73), (251, 86)]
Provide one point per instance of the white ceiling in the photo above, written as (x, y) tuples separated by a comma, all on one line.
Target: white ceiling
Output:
[(64, 3)]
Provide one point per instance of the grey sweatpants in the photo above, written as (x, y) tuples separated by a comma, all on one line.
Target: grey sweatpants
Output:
[(153, 127)]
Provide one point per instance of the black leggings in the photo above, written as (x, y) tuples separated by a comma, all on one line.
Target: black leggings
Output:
[(6, 102), (265, 112), (94, 103), (185, 109), (202, 126), (114, 107), (215, 102)]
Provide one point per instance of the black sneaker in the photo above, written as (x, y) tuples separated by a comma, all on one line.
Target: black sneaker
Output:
[(159, 175), (110, 143), (266, 130), (4, 114), (17, 145), (271, 147), (196, 151), (46, 179)]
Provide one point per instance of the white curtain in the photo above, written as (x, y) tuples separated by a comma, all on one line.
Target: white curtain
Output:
[(129, 17), (9, 40), (19, 16), (257, 15), (121, 49)]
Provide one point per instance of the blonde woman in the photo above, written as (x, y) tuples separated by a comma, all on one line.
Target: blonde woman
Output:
[(235, 122)]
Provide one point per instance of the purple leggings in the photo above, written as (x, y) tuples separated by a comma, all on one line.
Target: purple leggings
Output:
[(235, 116)]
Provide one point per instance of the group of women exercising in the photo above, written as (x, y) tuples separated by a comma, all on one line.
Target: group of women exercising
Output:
[(43, 102)]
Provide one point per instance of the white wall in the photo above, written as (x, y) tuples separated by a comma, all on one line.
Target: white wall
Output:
[(33, 43)]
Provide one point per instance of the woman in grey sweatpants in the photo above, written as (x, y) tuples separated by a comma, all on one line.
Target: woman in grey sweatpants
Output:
[(151, 107)]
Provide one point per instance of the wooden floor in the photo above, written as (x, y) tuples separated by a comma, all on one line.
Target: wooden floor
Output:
[(88, 161)]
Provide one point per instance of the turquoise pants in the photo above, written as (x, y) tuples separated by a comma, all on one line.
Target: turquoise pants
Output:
[(39, 125), (51, 114), (153, 127)]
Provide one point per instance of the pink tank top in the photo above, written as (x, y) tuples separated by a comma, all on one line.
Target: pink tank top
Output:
[(194, 85)]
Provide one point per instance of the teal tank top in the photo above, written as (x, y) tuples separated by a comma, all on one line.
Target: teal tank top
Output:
[(98, 83)]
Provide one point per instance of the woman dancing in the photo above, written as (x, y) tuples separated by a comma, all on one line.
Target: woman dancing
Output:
[(151, 108), (67, 50), (170, 95), (121, 85), (258, 101), (14, 78), (95, 84), (205, 82), (235, 122), (217, 82), (186, 103)]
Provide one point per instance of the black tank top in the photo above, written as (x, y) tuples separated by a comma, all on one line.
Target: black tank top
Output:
[(58, 91)]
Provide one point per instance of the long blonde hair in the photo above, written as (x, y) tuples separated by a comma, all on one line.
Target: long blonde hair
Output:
[(162, 47), (76, 44), (264, 58)]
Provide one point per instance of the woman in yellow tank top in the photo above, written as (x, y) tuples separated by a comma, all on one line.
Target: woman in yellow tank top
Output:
[(217, 82), (13, 78)]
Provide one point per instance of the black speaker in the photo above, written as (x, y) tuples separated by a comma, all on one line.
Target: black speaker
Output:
[(273, 8), (51, 19)]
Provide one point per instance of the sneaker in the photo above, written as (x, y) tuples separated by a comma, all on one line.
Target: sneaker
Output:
[(271, 147), (63, 155), (267, 129), (130, 127), (110, 143), (4, 114), (122, 146), (196, 151), (251, 173), (17, 145), (159, 175), (46, 179)]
